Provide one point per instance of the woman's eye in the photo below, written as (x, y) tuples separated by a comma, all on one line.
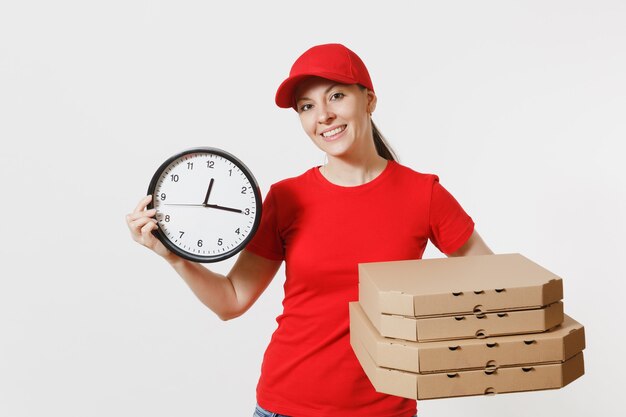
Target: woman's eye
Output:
[(336, 96), (305, 107)]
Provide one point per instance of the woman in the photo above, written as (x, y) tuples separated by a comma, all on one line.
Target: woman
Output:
[(361, 206)]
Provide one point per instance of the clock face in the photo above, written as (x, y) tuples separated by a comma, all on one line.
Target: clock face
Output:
[(208, 204)]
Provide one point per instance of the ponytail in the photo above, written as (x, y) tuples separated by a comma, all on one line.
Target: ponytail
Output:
[(382, 147)]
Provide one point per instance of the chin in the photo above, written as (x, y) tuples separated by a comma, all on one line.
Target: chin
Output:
[(335, 149)]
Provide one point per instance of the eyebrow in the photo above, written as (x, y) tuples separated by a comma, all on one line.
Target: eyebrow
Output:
[(325, 92)]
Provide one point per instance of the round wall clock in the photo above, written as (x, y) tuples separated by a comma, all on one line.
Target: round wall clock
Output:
[(208, 204)]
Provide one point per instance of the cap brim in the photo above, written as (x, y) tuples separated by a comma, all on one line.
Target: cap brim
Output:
[(285, 93)]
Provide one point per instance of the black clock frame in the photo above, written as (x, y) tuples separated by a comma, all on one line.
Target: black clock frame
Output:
[(257, 195)]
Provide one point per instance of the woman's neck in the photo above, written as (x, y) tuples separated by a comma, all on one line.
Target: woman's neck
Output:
[(354, 172)]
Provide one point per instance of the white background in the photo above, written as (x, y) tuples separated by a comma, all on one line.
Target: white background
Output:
[(518, 107)]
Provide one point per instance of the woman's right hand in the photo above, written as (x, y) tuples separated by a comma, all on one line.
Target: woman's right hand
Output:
[(141, 223), (229, 295)]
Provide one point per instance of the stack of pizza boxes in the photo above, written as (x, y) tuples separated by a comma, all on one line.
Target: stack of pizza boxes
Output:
[(461, 326)]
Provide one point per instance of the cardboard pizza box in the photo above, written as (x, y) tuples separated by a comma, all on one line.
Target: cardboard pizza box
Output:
[(556, 345), (459, 285), (470, 382), (463, 326)]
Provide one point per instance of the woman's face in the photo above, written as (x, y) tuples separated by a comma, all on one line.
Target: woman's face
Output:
[(336, 116)]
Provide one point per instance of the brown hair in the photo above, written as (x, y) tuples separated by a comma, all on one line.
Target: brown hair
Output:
[(382, 147)]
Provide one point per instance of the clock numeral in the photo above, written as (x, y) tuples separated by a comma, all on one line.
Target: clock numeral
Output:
[(174, 177), (189, 165), (230, 172), (237, 231), (163, 196), (246, 211), (243, 190), (210, 164), (167, 217), (181, 234), (220, 242), (200, 243)]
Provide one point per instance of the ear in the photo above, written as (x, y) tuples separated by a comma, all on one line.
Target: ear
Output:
[(371, 101)]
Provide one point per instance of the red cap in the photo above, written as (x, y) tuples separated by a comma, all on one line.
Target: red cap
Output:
[(332, 61)]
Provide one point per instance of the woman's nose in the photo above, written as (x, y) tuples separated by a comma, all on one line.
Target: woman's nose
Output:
[(325, 115)]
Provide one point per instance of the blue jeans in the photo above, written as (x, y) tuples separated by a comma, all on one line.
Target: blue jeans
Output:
[(262, 412)]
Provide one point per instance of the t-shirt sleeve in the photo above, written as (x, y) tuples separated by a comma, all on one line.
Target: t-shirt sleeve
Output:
[(267, 241), (450, 226)]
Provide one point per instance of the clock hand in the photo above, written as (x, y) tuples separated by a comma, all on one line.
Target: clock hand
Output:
[(215, 206), (206, 198), (182, 204)]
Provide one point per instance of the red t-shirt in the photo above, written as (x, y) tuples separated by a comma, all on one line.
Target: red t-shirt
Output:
[(323, 231)]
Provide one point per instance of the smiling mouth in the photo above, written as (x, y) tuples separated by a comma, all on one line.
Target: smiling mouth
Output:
[(334, 132)]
